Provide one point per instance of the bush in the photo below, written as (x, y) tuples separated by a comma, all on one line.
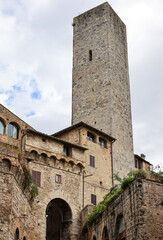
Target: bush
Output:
[(28, 177), (126, 182), (34, 191)]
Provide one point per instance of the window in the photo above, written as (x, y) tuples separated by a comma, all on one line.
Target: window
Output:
[(12, 130), (17, 234), (67, 151), (91, 161), (105, 235), (36, 176), (58, 178), (139, 164), (93, 199), (102, 142), (136, 163), (120, 228), (90, 55), (2, 127), (90, 137)]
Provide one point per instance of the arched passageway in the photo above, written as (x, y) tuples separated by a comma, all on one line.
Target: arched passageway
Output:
[(120, 228), (58, 220)]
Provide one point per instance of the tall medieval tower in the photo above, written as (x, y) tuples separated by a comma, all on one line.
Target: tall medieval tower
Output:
[(100, 86)]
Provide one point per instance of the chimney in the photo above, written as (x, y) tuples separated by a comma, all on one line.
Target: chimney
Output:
[(142, 156)]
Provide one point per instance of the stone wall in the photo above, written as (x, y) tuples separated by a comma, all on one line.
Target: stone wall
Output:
[(140, 206), (100, 86), (14, 204)]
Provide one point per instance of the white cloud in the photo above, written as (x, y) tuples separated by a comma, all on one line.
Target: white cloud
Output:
[(36, 43)]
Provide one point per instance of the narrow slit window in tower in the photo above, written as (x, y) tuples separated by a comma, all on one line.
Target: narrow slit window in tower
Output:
[(90, 55)]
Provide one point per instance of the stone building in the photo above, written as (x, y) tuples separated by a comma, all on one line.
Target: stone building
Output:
[(137, 213), (73, 168), (100, 80)]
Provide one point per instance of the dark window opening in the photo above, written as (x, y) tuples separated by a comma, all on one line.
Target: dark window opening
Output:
[(67, 151), (90, 55), (58, 178), (105, 235), (91, 161), (17, 234), (36, 176), (136, 163), (93, 199), (90, 137), (139, 164), (102, 142)]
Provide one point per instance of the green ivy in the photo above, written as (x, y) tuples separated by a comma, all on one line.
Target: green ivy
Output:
[(112, 195), (126, 182), (28, 177), (34, 191)]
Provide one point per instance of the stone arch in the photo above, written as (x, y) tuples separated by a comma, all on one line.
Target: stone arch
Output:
[(120, 230), (34, 152), (80, 165), (58, 220), (43, 157), (17, 237), (105, 235), (52, 160)]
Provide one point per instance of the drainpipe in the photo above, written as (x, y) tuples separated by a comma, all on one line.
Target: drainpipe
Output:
[(112, 162), (21, 144)]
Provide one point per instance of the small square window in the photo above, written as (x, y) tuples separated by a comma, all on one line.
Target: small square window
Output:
[(91, 161), (93, 199), (58, 178)]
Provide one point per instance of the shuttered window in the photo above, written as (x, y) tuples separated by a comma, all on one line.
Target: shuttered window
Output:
[(36, 176), (93, 199), (92, 161)]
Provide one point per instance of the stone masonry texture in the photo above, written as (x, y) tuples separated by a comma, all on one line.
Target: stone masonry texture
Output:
[(100, 86), (140, 206)]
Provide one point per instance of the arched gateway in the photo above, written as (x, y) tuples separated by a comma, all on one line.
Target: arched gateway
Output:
[(58, 221)]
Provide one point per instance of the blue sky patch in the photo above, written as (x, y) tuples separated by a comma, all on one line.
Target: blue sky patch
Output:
[(36, 94), (30, 114)]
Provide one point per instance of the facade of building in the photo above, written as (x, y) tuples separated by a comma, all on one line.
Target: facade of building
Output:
[(73, 168), (100, 80)]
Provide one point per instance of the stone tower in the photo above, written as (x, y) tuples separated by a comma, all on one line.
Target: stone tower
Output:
[(100, 85)]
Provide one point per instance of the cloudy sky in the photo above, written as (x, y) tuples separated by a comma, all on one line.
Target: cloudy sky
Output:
[(36, 64)]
